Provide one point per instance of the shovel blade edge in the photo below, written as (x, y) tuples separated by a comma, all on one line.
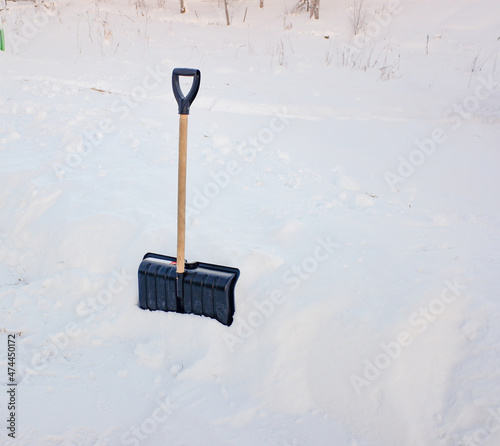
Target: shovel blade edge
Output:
[(203, 289)]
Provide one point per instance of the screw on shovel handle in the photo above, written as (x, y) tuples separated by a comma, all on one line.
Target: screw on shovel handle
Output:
[(185, 102)]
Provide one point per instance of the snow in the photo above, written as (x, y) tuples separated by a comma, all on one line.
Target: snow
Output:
[(352, 179)]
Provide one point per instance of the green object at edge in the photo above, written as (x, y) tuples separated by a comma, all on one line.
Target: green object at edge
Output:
[(2, 40)]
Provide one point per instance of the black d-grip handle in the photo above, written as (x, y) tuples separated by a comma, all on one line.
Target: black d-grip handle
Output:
[(185, 102)]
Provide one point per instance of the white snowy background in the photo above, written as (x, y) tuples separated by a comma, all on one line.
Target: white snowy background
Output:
[(353, 179)]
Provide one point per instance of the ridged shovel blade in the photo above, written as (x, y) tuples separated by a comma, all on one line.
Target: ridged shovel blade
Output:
[(203, 289)]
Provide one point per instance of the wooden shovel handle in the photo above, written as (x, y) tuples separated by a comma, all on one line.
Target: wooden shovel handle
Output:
[(181, 194), (184, 103)]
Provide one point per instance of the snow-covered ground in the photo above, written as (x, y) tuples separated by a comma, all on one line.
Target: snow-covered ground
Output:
[(352, 179)]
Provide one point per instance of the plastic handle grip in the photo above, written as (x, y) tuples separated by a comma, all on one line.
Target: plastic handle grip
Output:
[(185, 102)]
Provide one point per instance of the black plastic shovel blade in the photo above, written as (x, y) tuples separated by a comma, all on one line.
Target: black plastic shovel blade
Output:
[(203, 289)]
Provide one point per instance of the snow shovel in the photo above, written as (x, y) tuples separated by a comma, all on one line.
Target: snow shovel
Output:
[(170, 283)]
